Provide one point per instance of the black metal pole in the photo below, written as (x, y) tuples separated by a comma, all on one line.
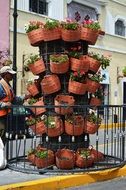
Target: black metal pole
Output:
[(15, 15)]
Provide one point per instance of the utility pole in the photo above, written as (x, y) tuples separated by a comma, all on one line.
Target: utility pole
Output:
[(15, 15)]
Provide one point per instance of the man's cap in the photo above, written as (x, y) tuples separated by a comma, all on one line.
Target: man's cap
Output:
[(7, 69)]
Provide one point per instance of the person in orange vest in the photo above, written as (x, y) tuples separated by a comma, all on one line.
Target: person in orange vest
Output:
[(6, 96)]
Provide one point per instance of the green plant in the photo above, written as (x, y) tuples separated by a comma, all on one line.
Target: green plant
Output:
[(59, 58), (32, 151), (32, 121), (97, 77), (124, 71), (93, 118), (94, 25), (31, 101), (104, 60), (84, 153), (50, 121), (74, 54), (99, 94), (70, 24), (32, 58), (33, 25), (51, 24), (42, 154), (78, 76)]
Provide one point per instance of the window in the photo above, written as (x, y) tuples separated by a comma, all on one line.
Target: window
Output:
[(38, 6), (119, 28)]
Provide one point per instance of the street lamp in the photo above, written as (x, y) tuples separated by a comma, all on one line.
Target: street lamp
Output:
[(15, 15)]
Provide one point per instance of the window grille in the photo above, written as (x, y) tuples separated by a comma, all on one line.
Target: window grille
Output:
[(119, 28), (38, 6)]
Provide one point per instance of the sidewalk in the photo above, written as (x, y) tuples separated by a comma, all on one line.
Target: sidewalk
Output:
[(16, 180)]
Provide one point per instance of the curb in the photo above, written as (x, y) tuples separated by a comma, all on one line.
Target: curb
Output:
[(60, 182)]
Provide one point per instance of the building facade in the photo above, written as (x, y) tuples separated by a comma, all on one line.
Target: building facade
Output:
[(112, 17)]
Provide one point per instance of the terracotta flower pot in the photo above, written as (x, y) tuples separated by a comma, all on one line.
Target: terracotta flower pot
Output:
[(35, 36), (90, 127), (39, 128), (65, 159), (83, 161), (61, 100), (45, 162), (79, 64), (57, 129), (92, 86), (32, 89), (50, 84), (77, 87), (89, 35), (37, 67), (96, 155), (59, 68), (94, 65), (95, 101), (70, 35), (31, 158), (52, 34), (75, 128), (39, 110)]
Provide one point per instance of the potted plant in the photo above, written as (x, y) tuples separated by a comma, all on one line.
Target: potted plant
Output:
[(83, 158), (74, 125), (96, 60), (35, 64), (34, 32), (92, 123), (36, 125), (77, 83), (31, 156), (54, 125), (96, 155), (44, 158), (59, 63), (51, 30), (124, 71), (70, 30), (50, 84), (65, 159), (90, 31), (93, 82), (35, 103), (32, 87), (78, 62), (97, 97), (64, 100)]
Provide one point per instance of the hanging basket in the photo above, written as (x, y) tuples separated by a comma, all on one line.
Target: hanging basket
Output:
[(59, 68), (57, 128), (39, 110), (65, 159), (90, 127), (37, 67), (50, 84), (75, 127), (35, 36), (83, 161), (94, 65), (89, 35), (79, 64), (32, 89), (96, 155), (70, 35), (66, 100), (92, 86), (77, 87), (39, 128), (95, 101), (52, 34), (31, 158)]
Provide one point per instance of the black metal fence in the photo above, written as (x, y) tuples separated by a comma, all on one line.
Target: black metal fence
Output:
[(84, 141)]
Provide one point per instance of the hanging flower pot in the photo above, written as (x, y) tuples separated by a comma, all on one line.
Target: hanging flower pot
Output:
[(50, 84), (37, 67), (70, 31), (94, 101), (59, 63), (81, 64), (44, 158), (37, 102), (32, 88), (65, 159), (96, 155), (94, 65), (74, 125), (64, 100), (92, 86), (54, 126), (31, 156), (83, 158), (35, 36)]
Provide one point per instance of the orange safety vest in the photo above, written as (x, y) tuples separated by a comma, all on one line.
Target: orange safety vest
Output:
[(8, 98)]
